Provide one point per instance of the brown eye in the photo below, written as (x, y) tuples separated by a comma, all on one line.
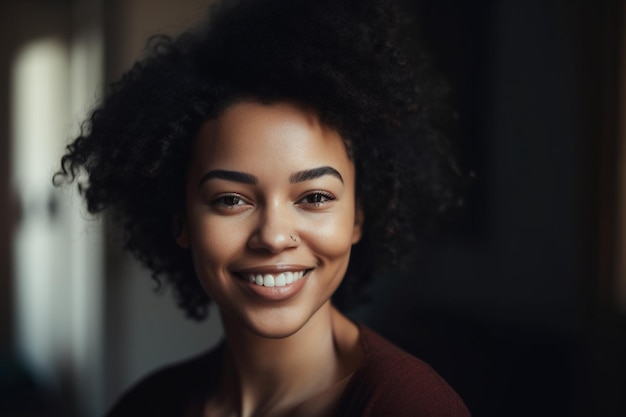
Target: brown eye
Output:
[(229, 201), (317, 198)]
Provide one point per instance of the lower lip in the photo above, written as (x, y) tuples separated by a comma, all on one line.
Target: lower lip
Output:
[(275, 293)]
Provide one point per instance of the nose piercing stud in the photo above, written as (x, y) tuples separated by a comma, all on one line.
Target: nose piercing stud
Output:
[(292, 238)]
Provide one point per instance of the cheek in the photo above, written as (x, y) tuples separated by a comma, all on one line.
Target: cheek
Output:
[(213, 243), (332, 239), (210, 258)]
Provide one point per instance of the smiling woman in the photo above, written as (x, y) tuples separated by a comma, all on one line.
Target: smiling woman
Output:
[(276, 193), (292, 211)]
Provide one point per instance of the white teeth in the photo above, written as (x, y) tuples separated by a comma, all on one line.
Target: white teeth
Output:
[(282, 279)]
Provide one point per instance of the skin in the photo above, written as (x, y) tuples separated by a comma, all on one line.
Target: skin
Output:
[(271, 189)]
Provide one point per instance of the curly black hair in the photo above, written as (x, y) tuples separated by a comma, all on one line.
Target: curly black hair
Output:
[(341, 58)]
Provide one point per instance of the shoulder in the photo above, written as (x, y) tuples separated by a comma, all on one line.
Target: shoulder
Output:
[(390, 381), (168, 391)]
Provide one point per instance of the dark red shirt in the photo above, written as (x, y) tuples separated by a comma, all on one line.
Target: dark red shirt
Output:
[(389, 382)]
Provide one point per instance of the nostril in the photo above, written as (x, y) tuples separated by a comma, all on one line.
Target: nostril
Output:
[(275, 228), (273, 242)]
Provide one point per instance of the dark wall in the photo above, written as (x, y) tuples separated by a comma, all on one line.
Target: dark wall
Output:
[(504, 302)]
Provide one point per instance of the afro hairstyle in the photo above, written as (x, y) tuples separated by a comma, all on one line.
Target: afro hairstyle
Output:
[(343, 59)]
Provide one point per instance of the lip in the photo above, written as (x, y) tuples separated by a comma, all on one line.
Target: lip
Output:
[(273, 269), (273, 293)]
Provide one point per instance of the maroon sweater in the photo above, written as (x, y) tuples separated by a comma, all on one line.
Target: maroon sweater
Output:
[(388, 383)]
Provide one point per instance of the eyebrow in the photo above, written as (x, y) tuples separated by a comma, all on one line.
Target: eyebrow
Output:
[(245, 178), (311, 174), (234, 176)]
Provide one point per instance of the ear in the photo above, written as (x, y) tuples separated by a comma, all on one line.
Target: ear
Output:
[(180, 231), (357, 231)]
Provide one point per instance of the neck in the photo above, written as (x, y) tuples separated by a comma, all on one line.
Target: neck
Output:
[(262, 373)]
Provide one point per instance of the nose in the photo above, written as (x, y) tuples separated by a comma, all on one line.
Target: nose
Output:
[(275, 231)]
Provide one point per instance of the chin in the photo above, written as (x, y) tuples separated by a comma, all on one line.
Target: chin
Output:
[(274, 332), (274, 322), (278, 324)]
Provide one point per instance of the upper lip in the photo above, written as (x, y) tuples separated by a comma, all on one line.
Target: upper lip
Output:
[(273, 269)]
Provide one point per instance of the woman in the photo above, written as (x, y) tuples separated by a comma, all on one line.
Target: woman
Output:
[(271, 162)]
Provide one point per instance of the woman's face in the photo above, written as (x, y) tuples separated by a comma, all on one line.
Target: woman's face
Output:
[(270, 215)]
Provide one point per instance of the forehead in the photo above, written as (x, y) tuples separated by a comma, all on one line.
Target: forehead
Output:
[(251, 135)]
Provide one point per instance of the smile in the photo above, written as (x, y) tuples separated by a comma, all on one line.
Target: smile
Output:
[(276, 280)]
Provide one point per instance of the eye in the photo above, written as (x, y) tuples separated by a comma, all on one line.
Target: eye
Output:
[(317, 198), (229, 201)]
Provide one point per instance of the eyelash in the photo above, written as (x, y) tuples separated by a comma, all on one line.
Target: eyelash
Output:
[(221, 200), (328, 197)]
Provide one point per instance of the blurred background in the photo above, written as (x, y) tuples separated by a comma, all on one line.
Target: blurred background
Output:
[(519, 301)]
